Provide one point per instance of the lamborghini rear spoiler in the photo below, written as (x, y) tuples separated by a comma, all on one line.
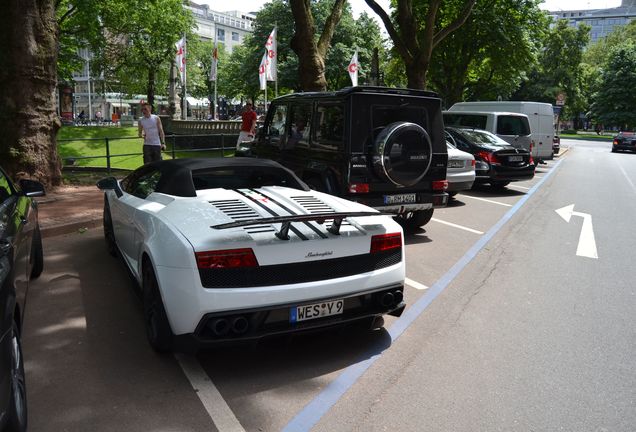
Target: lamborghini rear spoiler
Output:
[(286, 221)]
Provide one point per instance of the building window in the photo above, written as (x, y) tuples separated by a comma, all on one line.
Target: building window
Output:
[(235, 36), (220, 34)]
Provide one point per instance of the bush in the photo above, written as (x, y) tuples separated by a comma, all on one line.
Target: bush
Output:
[(569, 131)]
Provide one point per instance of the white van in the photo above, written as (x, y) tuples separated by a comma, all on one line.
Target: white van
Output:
[(514, 128), (540, 115)]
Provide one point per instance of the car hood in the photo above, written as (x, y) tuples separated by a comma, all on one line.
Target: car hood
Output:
[(195, 217)]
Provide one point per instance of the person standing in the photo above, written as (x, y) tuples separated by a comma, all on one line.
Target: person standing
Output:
[(248, 124), (149, 126)]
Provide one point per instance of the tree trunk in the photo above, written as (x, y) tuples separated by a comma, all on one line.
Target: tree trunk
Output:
[(311, 55), (28, 120)]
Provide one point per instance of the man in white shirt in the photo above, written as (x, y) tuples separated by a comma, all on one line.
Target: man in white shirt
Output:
[(149, 126)]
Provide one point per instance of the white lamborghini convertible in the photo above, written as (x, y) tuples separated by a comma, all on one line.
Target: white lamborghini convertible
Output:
[(239, 248)]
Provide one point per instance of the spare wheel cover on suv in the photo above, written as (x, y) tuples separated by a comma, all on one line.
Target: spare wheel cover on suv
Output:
[(403, 153)]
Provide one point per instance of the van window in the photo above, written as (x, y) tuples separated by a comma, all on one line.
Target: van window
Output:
[(477, 121), (329, 126), (512, 125)]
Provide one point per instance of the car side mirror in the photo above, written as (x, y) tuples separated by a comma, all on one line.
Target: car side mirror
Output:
[(110, 183), (32, 188)]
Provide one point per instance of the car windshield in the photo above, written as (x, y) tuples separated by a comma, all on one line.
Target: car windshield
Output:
[(483, 137)]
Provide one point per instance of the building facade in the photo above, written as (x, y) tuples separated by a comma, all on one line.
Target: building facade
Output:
[(89, 94), (229, 28), (602, 21)]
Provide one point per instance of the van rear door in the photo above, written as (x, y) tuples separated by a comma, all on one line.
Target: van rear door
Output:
[(515, 130)]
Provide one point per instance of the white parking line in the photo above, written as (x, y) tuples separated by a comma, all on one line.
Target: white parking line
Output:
[(221, 414), (457, 226), (518, 187), (487, 200), (416, 285)]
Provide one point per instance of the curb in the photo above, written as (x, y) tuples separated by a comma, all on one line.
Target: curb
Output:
[(69, 228)]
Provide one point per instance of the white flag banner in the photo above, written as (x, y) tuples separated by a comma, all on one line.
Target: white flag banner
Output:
[(353, 69), (262, 71), (215, 63), (181, 58), (272, 54)]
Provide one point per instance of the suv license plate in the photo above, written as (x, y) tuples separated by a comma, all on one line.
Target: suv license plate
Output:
[(400, 199), (456, 164), (316, 310), (517, 158)]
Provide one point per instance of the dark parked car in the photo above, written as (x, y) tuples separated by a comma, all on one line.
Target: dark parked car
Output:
[(496, 162), (378, 146), (624, 141), (21, 259), (556, 145)]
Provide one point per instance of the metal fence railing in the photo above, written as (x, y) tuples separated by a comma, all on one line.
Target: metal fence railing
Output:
[(116, 153)]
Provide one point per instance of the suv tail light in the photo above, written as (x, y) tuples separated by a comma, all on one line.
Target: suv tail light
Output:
[(383, 242), (229, 258), (440, 185), (359, 187), (616, 141), (488, 157), (531, 161)]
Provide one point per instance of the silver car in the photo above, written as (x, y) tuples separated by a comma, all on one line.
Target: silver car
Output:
[(460, 172)]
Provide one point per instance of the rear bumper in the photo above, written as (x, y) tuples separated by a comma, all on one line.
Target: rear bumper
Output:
[(238, 326), (423, 201), (501, 173)]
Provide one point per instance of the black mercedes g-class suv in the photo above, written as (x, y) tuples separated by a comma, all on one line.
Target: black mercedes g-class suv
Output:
[(382, 147)]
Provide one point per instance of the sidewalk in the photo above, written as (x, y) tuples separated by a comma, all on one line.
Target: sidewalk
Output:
[(68, 209)]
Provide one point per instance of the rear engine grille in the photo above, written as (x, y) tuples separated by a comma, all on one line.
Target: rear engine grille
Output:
[(239, 211), (282, 274), (313, 205)]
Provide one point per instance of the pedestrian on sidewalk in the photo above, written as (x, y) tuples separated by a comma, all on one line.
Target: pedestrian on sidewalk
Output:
[(149, 126), (248, 125)]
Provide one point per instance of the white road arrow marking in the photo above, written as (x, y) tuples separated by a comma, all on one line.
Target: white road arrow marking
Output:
[(587, 244)]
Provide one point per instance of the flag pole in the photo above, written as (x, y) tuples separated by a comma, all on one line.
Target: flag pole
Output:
[(216, 75), (276, 80), (185, 74)]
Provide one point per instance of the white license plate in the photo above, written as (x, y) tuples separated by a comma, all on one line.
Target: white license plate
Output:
[(515, 158), (316, 310), (399, 199), (455, 164)]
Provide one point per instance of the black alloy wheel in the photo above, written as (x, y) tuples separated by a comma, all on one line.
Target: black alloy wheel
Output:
[(411, 221), (37, 254), (158, 329), (109, 233), (17, 413)]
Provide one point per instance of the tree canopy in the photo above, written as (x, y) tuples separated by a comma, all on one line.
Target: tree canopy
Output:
[(491, 53), (615, 101)]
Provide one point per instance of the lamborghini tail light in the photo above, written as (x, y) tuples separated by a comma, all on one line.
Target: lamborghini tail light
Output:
[(384, 242), (229, 258)]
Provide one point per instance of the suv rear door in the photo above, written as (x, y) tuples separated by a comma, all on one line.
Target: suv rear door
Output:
[(514, 129)]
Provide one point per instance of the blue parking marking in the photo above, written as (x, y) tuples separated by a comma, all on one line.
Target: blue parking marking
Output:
[(321, 404)]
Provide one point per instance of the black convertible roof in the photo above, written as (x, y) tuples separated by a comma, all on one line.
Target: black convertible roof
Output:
[(176, 174)]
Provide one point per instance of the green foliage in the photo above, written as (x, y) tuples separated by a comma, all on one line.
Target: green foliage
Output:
[(491, 53), (79, 27), (559, 69), (241, 69), (615, 101), (138, 52)]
